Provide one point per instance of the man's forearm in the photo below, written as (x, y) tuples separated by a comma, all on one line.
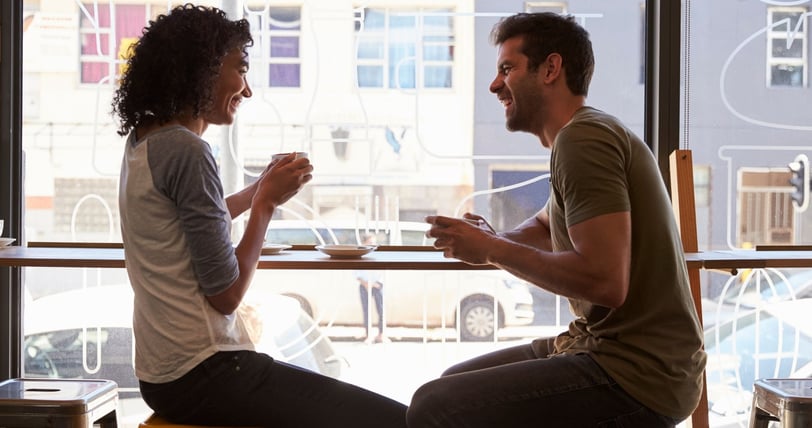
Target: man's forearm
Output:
[(531, 232)]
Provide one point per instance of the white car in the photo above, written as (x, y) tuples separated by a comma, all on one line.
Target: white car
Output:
[(87, 333), (484, 300)]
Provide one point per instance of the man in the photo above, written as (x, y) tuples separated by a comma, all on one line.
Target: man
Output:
[(606, 240)]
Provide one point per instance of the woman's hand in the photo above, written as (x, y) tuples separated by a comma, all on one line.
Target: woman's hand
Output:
[(280, 181)]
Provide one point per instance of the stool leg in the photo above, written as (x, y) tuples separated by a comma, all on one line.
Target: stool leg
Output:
[(796, 419), (109, 420), (760, 418)]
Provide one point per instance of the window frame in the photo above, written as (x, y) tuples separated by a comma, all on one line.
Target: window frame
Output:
[(114, 57), (662, 133), (384, 38), (545, 6), (260, 55), (779, 31)]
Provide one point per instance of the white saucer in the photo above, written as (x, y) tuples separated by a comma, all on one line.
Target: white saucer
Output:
[(5, 242), (345, 251), (274, 248)]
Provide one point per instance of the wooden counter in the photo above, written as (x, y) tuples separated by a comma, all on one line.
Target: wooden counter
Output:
[(384, 258), (298, 257)]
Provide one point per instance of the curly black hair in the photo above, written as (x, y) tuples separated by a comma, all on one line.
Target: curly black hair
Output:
[(173, 67)]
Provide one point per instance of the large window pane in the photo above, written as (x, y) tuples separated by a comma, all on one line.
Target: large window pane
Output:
[(744, 120), (412, 42), (392, 104), (276, 55)]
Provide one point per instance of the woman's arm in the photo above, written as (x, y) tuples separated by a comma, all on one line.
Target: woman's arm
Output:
[(275, 187)]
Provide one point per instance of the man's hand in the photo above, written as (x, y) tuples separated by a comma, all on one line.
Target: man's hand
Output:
[(467, 239)]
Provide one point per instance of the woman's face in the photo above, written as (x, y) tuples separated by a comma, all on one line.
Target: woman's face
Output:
[(229, 90)]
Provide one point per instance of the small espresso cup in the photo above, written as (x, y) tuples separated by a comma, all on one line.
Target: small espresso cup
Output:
[(283, 155), (1, 226)]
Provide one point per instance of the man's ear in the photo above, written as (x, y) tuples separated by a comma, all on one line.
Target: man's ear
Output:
[(552, 67)]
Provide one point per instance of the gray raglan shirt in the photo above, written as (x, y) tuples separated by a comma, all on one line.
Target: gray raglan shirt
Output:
[(176, 231)]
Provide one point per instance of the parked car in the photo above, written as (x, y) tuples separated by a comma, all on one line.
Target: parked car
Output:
[(484, 300), (772, 341), (87, 333), (304, 232)]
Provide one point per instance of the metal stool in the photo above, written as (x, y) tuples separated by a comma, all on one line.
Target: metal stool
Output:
[(63, 403), (155, 421), (786, 400)]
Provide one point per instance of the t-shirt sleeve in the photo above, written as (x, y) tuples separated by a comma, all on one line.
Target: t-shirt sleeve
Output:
[(590, 170)]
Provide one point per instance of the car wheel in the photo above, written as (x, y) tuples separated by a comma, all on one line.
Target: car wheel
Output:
[(477, 319)]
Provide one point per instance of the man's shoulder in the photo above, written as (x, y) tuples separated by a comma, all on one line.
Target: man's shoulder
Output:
[(591, 124), (588, 115)]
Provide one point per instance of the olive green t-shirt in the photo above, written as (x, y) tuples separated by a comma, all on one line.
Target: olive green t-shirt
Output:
[(651, 345)]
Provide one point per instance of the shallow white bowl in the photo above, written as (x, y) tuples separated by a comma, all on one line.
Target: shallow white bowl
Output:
[(346, 251), (274, 248)]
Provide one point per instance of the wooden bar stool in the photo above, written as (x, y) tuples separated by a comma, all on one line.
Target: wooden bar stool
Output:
[(786, 400), (155, 421), (64, 403)]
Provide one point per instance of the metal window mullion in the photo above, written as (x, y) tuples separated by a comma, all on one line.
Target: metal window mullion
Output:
[(663, 73), (386, 40), (419, 71), (11, 192)]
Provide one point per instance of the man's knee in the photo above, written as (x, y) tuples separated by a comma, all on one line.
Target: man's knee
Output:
[(427, 402)]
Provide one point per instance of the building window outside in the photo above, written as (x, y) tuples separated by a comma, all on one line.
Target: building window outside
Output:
[(404, 49), (787, 46), (106, 32), (545, 6), (767, 216), (276, 60)]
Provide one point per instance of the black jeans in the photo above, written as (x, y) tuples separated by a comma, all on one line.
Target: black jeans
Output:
[(521, 387), (252, 389)]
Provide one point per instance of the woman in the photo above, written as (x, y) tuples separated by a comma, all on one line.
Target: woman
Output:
[(194, 358)]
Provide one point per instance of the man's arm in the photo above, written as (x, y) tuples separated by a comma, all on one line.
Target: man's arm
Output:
[(535, 232), (597, 269)]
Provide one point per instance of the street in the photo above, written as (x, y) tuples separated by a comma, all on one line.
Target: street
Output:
[(396, 369)]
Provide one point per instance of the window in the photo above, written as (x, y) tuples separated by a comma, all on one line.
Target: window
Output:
[(434, 151), (106, 32), (765, 207), (542, 6), (787, 51), (276, 55), (404, 49)]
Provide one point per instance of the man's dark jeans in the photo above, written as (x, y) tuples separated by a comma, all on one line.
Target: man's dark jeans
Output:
[(520, 387)]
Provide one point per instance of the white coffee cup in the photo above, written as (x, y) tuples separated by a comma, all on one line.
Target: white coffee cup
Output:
[(1, 226), (283, 155)]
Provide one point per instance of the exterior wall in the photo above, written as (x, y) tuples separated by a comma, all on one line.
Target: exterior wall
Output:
[(65, 120)]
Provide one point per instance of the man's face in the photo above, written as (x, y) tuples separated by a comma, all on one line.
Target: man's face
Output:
[(517, 88)]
